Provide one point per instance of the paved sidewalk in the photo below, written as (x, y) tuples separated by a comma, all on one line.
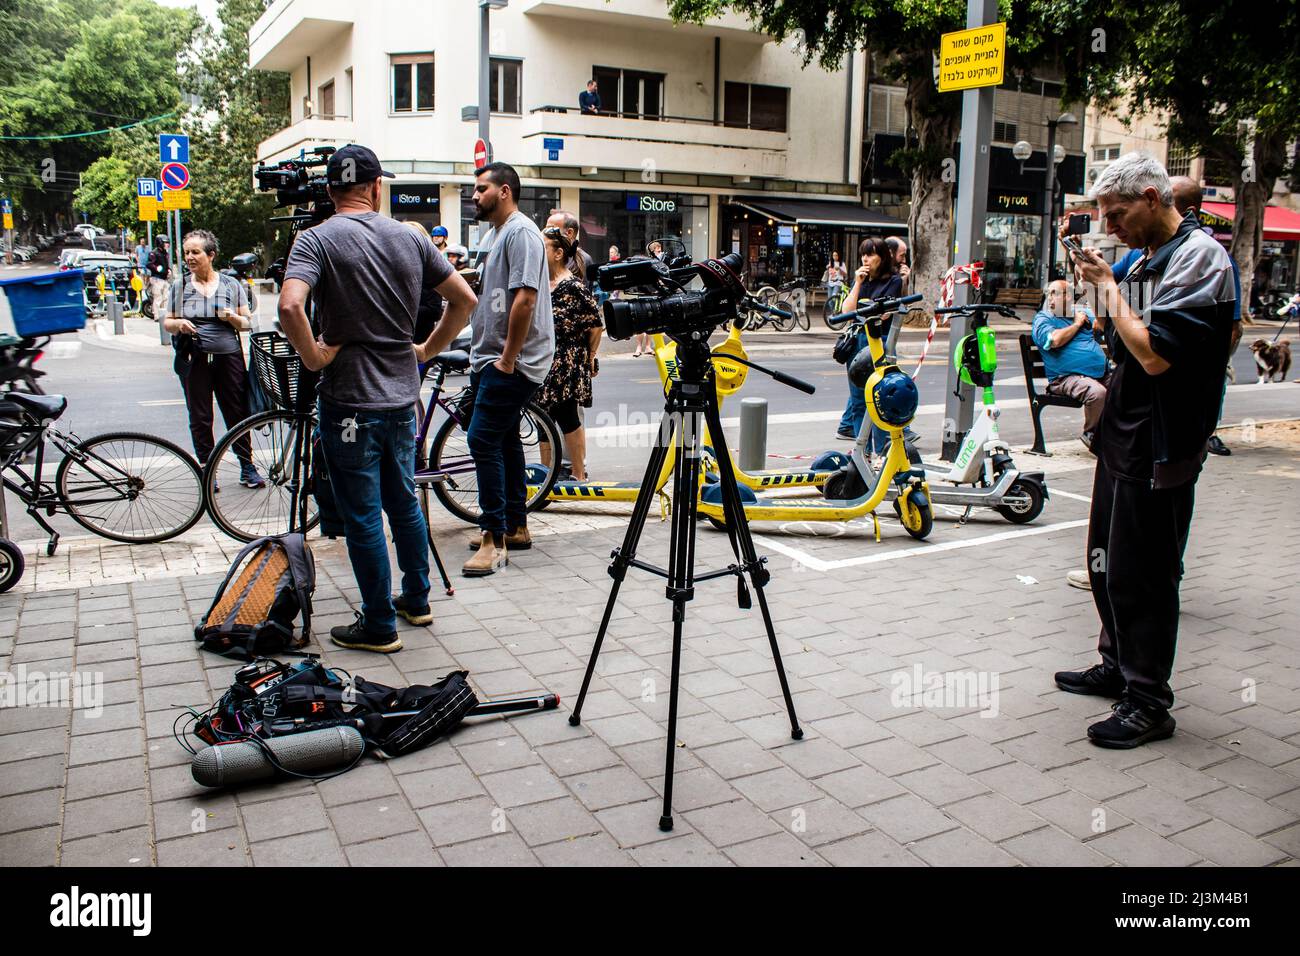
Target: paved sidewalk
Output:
[(876, 780)]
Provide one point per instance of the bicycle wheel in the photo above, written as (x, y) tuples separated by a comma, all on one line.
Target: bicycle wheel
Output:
[(275, 440), (127, 486), (783, 324), (448, 454), (830, 308)]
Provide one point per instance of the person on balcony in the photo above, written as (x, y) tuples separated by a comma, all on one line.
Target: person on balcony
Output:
[(589, 99)]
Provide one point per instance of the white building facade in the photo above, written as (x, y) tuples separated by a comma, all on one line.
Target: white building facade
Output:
[(700, 127)]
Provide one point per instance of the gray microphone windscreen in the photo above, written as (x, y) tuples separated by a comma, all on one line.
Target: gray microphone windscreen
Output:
[(313, 752)]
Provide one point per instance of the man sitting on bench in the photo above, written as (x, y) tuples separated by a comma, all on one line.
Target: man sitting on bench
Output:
[(1073, 360)]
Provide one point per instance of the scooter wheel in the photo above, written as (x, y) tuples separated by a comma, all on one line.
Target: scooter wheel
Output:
[(12, 564), (1029, 507), (917, 515)]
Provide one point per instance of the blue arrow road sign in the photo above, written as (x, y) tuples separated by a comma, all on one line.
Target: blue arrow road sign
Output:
[(174, 148), (147, 187)]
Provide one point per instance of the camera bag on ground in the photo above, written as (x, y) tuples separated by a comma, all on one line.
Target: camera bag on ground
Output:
[(270, 582)]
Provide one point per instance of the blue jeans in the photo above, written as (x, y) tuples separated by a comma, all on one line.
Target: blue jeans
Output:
[(371, 461), (499, 401)]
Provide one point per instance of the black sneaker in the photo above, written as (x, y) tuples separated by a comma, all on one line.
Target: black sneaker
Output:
[(846, 435), (1096, 680), (1132, 725), (415, 612), (1215, 446), (355, 637)]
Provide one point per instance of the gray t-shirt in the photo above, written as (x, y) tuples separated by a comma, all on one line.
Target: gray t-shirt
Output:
[(365, 272), (516, 259), (216, 335)]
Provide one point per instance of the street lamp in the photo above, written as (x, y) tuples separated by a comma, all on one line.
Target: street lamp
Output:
[(1057, 154), (485, 69)]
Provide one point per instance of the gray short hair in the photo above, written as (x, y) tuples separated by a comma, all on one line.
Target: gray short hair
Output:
[(1130, 176), (208, 239)]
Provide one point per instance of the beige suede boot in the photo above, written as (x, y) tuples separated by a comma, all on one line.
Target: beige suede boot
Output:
[(490, 558)]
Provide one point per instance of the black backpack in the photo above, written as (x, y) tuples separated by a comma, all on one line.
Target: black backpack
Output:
[(254, 616)]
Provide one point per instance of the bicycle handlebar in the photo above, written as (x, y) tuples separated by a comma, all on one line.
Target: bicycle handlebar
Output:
[(878, 307), (757, 306), (1000, 308)]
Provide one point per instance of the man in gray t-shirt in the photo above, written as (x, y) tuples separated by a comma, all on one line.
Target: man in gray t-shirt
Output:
[(364, 272), (511, 354)]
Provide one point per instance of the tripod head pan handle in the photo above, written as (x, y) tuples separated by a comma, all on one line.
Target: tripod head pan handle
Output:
[(793, 382)]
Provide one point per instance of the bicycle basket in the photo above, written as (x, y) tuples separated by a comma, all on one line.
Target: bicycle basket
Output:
[(280, 372)]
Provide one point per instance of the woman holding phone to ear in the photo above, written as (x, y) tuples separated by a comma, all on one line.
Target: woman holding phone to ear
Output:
[(206, 313)]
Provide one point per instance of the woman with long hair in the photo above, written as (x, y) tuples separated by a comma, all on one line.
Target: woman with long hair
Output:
[(874, 279), (205, 314), (834, 277), (567, 389)]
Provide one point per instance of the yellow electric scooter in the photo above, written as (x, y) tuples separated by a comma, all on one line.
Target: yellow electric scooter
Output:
[(892, 401)]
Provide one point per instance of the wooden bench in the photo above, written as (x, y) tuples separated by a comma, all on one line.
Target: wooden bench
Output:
[(1019, 297), (1032, 359)]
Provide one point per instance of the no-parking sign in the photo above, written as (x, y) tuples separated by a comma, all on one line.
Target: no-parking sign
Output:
[(175, 176)]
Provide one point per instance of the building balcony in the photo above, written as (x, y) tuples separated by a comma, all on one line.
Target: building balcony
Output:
[(669, 144), (641, 15), (306, 134), (291, 30)]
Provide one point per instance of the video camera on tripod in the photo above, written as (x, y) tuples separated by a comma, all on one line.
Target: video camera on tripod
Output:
[(299, 182), (661, 302)]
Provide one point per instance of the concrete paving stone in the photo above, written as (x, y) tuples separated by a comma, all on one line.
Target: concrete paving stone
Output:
[(814, 757), (532, 784), (1020, 782), (117, 717), (30, 848), (646, 759), (1039, 751), (907, 818), (688, 850), (730, 823), (637, 824), (1243, 811), (28, 811), (41, 616), (780, 849), (501, 753), (1137, 846), (994, 817), (119, 848), (777, 789), (372, 819), (225, 847), (404, 849), (1228, 846), (611, 787), (112, 745), (365, 782), (23, 719), (1097, 780), (588, 851), (940, 785), (921, 728), (209, 810), (504, 849), (1175, 778), (894, 756), (463, 820), (968, 754), (27, 776), (1287, 840), (561, 819), (104, 814), (1160, 812), (860, 786), (35, 654), (284, 816), (1081, 816), (961, 847), (820, 822), (1049, 846), (847, 730), (1261, 747), (109, 651), (737, 758), (738, 705), (577, 756), (439, 785), (316, 849), (868, 849)]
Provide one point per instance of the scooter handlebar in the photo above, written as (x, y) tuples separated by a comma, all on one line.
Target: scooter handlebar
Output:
[(878, 307)]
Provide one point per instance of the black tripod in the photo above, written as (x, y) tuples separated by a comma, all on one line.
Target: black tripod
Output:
[(691, 397)]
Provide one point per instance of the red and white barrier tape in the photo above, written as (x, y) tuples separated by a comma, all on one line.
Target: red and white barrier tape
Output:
[(957, 275)]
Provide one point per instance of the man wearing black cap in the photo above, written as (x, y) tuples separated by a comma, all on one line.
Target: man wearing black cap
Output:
[(364, 272)]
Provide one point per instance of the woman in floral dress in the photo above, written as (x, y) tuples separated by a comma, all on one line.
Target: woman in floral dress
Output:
[(567, 389)]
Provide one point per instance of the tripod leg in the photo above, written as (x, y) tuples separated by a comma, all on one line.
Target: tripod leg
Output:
[(618, 568), (681, 581), (758, 575)]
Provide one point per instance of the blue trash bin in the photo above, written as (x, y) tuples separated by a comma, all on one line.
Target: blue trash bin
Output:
[(44, 304)]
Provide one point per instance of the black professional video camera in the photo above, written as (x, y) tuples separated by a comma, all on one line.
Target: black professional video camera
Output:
[(662, 303), (299, 182)]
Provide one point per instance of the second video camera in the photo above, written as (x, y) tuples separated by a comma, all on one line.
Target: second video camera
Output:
[(662, 303), (300, 182)]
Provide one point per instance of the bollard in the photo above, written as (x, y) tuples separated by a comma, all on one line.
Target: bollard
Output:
[(753, 434), (113, 309)]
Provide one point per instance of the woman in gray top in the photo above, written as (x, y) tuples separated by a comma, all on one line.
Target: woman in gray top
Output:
[(207, 312)]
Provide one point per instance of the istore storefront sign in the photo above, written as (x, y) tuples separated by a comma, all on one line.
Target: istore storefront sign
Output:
[(650, 203)]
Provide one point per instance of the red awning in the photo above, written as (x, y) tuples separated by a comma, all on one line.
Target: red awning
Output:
[(1280, 224)]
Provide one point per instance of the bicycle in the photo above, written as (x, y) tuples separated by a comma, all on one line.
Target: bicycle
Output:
[(124, 486), (834, 305), (283, 444), (790, 297)]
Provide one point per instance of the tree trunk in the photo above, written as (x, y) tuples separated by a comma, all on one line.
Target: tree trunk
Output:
[(1251, 198), (929, 222)]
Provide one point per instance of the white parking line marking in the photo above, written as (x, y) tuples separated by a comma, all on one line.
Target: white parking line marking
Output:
[(817, 564)]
